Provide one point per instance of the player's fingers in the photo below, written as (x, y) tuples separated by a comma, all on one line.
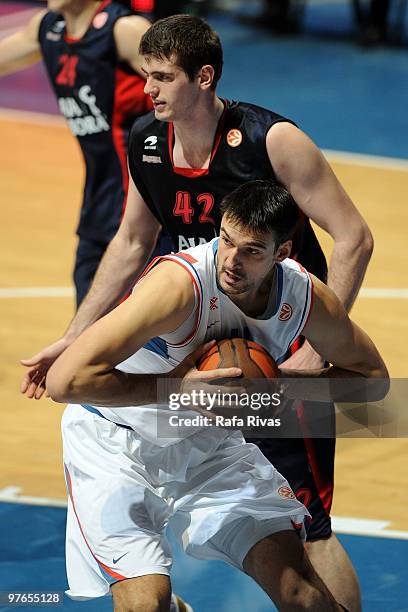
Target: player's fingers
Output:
[(220, 373), (40, 390), (24, 383), (32, 361), (29, 376), (31, 389)]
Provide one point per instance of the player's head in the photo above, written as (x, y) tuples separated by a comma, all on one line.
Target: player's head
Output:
[(258, 222), (182, 57), (189, 41)]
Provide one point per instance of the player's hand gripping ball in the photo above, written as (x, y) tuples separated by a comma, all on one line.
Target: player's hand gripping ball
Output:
[(249, 356)]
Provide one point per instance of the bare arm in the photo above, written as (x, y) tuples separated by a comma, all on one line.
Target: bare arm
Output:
[(346, 346), (22, 49), (127, 32), (86, 370), (122, 263), (303, 170)]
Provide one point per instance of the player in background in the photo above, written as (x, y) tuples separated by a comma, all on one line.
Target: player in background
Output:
[(90, 51), (192, 150), (129, 475)]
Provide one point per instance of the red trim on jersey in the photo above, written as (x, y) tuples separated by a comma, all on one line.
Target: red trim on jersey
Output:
[(73, 39), (296, 345), (145, 6), (129, 100), (191, 260), (196, 172), (198, 293), (311, 301), (107, 569), (187, 257), (324, 488)]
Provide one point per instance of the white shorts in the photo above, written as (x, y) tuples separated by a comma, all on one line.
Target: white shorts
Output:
[(218, 494)]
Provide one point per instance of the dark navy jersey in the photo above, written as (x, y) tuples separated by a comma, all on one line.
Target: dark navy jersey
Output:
[(100, 98), (186, 201)]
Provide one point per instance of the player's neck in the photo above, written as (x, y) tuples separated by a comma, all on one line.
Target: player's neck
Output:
[(194, 135), (78, 17), (256, 303)]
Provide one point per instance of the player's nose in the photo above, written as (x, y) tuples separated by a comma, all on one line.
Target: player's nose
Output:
[(233, 258), (150, 88)]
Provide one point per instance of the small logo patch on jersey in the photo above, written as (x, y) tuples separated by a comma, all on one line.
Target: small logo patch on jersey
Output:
[(286, 492), (234, 137), (150, 142), (152, 159), (213, 303), (286, 312), (53, 36), (99, 20)]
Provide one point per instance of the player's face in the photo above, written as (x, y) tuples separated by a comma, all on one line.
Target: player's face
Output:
[(245, 261), (173, 94)]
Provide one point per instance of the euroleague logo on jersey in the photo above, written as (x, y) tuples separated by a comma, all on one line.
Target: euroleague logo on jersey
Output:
[(285, 312), (99, 20), (234, 137), (286, 492)]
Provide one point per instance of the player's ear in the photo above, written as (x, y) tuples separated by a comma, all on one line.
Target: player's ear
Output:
[(284, 250), (206, 76)]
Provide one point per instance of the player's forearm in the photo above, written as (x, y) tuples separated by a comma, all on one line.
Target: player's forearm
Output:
[(348, 265), (107, 389), (119, 268), (334, 384)]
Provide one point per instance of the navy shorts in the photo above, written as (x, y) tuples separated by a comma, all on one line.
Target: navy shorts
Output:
[(308, 466)]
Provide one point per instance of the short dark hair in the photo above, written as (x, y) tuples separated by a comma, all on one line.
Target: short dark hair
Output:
[(262, 206), (190, 38)]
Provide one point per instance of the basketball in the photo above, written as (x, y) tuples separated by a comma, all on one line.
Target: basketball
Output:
[(251, 357)]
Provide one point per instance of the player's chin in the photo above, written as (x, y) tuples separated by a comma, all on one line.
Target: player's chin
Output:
[(233, 287), (56, 5), (162, 112)]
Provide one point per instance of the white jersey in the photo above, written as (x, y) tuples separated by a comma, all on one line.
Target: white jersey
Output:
[(215, 316)]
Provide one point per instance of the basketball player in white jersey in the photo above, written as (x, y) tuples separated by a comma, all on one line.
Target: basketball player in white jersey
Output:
[(128, 480)]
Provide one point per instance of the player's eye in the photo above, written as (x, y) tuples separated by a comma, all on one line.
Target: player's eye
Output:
[(227, 241)]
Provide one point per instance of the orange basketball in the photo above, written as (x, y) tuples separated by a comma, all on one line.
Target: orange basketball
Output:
[(251, 357)]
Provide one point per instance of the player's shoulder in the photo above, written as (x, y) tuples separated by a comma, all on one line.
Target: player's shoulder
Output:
[(252, 114), (51, 26), (294, 272), (196, 254)]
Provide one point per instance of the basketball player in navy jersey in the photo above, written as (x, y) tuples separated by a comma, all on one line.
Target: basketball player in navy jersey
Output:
[(90, 50), (133, 466), (184, 157)]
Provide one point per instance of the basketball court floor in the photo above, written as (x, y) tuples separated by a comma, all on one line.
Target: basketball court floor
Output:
[(353, 104)]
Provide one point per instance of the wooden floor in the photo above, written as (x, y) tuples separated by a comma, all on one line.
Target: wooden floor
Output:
[(41, 177)]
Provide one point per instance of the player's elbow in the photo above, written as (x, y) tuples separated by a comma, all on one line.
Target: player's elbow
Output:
[(379, 381), (65, 386), (362, 241)]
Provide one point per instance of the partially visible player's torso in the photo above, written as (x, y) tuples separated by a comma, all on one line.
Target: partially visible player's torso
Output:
[(215, 316), (100, 98), (186, 201)]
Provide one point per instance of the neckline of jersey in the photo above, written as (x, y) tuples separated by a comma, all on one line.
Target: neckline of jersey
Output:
[(197, 172), (73, 39)]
